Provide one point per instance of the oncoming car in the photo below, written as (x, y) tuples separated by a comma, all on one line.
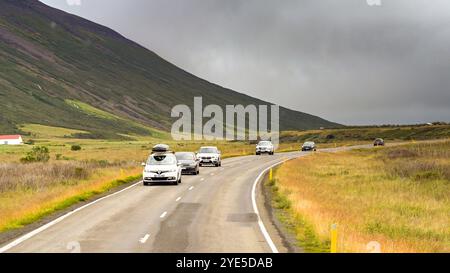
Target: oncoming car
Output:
[(378, 142), (209, 155), (189, 162), (161, 167), (309, 146), (264, 147)]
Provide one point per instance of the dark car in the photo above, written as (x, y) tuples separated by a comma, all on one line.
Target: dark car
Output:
[(309, 146), (378, 142), (188, 162)]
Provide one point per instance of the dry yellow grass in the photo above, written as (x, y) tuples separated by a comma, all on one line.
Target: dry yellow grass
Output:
[(21, 207), (398, 197), (28, 192)]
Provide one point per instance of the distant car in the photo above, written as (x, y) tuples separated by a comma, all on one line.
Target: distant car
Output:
[(264, 147), (309, 146), (209, 155), (161, 167), (378, 142), (188, 162)]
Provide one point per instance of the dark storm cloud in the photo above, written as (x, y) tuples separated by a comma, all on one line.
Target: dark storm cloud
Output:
[(343, 60)]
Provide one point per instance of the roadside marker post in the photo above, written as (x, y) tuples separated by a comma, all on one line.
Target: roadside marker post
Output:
[(271, 174), (333, 238)]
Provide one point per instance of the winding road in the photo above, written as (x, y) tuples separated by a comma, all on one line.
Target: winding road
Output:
[(219, 210)]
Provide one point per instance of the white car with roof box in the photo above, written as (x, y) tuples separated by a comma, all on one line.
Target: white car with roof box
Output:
[(161, 167)]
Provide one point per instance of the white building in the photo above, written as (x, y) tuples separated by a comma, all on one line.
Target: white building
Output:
[(11, 140)]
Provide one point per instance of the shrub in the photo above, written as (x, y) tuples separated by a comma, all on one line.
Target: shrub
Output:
[(75, 148), (37, 154), (29, 142), (401, 153)]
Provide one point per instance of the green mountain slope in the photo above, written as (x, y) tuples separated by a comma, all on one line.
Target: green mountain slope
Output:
[(49, 57)]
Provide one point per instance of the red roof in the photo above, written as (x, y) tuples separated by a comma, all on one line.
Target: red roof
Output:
[(10, 137)]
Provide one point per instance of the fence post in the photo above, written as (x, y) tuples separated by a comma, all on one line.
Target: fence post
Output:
[(333, 238)]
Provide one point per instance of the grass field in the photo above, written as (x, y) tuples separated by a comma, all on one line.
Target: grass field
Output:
[(393, 133), (397, 197), (30, 191)]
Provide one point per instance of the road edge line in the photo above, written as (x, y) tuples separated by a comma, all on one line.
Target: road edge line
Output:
[(261, 225), (30, 234)]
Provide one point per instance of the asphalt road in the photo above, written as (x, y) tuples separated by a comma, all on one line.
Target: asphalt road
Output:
[(210, 212)]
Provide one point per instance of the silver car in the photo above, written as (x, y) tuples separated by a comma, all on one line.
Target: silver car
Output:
[(264, 147), (309, 146), (209, 155), (189, 162)]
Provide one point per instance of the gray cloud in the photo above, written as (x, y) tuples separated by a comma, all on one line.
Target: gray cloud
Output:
[(342, 60)]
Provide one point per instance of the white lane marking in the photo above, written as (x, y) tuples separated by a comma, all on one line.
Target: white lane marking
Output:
[(163, 214), (191, 188), (57, 220), (255, 207), (201, 179), (178, 199), (212, 174), (144, 239)]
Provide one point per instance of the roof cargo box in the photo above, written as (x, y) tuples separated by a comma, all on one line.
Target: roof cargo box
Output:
[(160, 148)]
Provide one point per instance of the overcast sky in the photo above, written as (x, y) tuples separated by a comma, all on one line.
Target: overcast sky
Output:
[(345, 61)]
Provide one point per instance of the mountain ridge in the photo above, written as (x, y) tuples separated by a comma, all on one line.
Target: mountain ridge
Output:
[(48, 56)]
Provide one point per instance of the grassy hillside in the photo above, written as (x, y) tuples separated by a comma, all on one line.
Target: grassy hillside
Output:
[(48, 57), (420, 132), (398, 197)]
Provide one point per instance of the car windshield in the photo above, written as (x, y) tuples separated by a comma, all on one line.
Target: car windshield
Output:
[(309, 144), (208, 150), (264, 143), (161, 160), (184, 156)]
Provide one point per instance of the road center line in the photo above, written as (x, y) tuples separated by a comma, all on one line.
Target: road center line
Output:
[(191, 188), (201, 179), (178, 199), (163, 214), (144, 239)]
